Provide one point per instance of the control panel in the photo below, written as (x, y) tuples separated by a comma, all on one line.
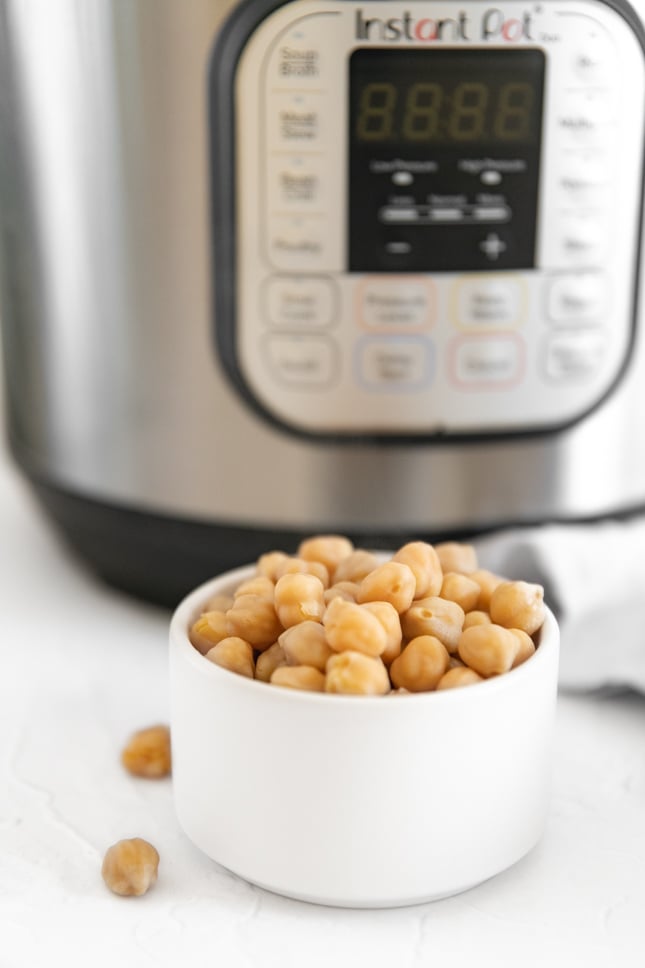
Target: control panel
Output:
[(437, 213)]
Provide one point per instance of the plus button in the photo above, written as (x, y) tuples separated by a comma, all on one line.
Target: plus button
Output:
[(492, 246)]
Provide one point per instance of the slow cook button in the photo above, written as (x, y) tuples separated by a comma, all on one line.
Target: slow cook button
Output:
[(577, 298), (485, 301), (301, 301), (391, 364), (303, 361), (488, 362), (384, 304), (575, 356)]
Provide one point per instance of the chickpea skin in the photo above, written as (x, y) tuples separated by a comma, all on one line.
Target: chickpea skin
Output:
[(130, 867), (299, 598), (268, 661), (423, 560), (299, 677), (459, 676), (233, 654), (328, 549), (434, 616), (488, 649), (421, 665), (518, 605), (306, 644), (352, 627), (392, 582), (253, 618), (456, 556), (356, 674), (209, 629)]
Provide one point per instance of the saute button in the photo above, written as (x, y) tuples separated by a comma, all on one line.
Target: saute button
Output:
[(303, 361), (300, 301), (577, 298), (574, 356)]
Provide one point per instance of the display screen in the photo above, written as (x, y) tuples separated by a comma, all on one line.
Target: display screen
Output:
[(445, 97), (432, 133)]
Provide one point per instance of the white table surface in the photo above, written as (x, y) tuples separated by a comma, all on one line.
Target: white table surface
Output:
[(82, 666)]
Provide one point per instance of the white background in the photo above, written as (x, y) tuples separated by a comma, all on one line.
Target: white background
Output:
[(81, 666)]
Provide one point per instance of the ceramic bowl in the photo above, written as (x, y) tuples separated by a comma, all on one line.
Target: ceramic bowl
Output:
[(359, 801)]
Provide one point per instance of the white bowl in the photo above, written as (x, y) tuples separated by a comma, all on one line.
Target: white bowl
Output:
[(359, 801)]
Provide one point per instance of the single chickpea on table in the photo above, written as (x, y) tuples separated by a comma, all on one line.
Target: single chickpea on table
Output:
[(338, 619)]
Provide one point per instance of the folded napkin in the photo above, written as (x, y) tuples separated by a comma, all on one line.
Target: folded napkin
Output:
[(594, 581)]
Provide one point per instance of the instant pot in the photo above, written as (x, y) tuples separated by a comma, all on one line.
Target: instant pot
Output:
[(270, 269)]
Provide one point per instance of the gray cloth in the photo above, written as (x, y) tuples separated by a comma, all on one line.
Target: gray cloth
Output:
[(594, 580)]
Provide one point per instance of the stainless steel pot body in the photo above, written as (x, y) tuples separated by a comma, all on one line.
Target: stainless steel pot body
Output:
[(115, 391)]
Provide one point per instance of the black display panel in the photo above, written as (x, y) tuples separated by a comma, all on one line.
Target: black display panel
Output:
[(444, 159)]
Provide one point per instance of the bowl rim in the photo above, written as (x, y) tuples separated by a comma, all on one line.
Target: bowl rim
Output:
[(181, 647)]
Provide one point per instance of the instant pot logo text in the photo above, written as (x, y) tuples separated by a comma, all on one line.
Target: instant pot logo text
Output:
[(493, 25)]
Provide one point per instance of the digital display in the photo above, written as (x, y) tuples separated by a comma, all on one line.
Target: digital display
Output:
[(430, 97), (444, 158)]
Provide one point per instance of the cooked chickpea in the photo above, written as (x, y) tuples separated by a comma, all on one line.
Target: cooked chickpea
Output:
[(423, 561), (459, 676), (306, 644), (353, 627), (456, 556), (130, 867), (488, 649), (460, 589), (299, 677), (147, 752), (267, 662), (477, 617), (218, 603), (392, 582), (434, 616), (337, 618), (259, 585), (270, 563), (356, 674), (421, 665), (298, 566), (299, 598), (209, 629), (355, 567), (488, 582), (254, 619), (389, 619), (527, 646), (518, 605), (342, 589), (328, 549), (233, 654)]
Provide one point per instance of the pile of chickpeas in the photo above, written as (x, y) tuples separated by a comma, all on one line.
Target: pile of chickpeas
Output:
[(337, 619)]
